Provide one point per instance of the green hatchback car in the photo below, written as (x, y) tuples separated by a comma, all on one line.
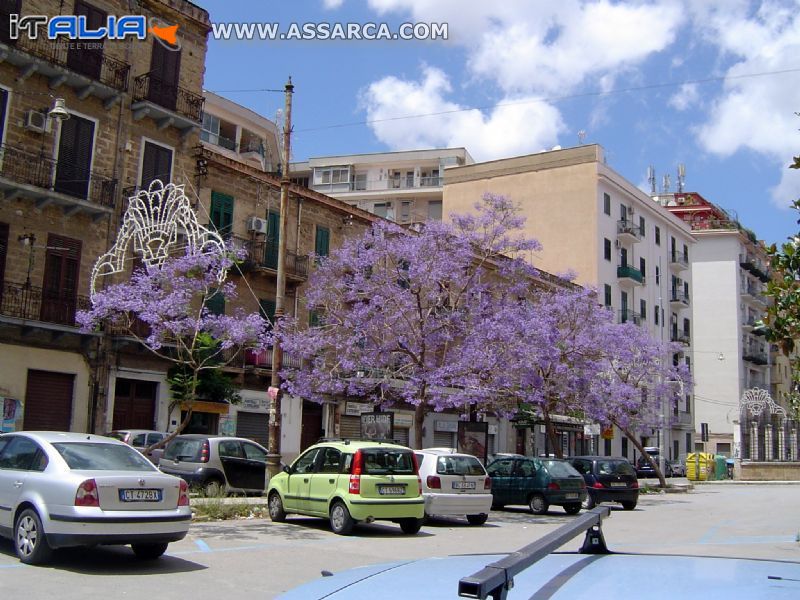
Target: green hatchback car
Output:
[(350, 482)]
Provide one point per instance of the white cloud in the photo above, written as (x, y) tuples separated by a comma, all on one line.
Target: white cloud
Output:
[(519, 126), (332, 4), (686, 97)]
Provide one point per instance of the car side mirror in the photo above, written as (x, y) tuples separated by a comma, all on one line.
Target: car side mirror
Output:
[(287, 469)]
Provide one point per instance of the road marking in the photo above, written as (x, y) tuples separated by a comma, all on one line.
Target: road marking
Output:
[(708, 536), (203, 546)]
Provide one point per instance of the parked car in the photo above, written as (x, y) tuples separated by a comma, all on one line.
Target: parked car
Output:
[(141, 439), (454, 484), (74, 489), (608, 479), (350, 482), (537, 482), (644, 470), (678, 468), (217, 464), (538, 571)]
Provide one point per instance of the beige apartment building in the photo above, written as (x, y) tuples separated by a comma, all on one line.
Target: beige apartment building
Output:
[(615, 238)]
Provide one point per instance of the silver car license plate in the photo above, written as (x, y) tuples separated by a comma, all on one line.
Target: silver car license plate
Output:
[(463, 485), (140, 495), (618, 484), (391, 490), (572, 496)]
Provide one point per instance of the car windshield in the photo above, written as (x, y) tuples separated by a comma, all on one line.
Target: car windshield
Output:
[(93, 456), (117, 435), (615, 467), (459, 465), (559, 468), (378, 461), (186, 448)]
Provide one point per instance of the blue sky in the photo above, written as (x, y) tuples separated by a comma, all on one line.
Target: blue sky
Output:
[(713, 85)]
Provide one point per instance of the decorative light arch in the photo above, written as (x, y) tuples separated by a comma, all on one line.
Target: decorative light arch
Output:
[(154, 220), (756, 401)]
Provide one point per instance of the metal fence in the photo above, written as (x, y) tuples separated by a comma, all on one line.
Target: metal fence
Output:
[(767, 432)]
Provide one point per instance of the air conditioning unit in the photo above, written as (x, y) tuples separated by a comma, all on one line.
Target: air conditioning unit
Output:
[(37, 121), (257, 224)]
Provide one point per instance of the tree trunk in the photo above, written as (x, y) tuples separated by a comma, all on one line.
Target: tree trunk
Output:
[(163, 443), (661, 480), (419, 420), (551, 434)]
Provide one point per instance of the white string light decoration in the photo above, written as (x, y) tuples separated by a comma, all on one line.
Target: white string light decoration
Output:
[(756, 401), (154, 220)]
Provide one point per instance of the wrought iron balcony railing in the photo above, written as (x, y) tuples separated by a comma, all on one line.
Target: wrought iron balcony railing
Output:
[(679, 297), (30, 303), (263, 254), (56, 175), (679, 259), (170, 96), (628, 227), (629, 272), (629, 316), (92, 63)]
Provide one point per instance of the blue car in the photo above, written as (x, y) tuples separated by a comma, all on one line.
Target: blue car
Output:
[(537, 571)]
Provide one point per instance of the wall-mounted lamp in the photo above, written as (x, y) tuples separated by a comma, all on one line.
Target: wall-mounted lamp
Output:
[(347, 221), (721, 356), (202, 166), (58, 110), (27, 239)]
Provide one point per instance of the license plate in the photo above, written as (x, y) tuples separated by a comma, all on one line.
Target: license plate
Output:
[(572, 496), (140, 495), (618, 484), (463, 485), (391, 490)]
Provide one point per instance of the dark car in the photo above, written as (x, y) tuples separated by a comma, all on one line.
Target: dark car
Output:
[(608, 479), (644, 470), (217, 464), (539, 571), (536, 482)]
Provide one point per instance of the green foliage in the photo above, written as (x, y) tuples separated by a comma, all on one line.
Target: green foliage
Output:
[(212, 384)]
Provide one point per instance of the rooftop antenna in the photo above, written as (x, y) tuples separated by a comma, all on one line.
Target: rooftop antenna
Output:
[(681, 177), (651, 177), (581, 137), (666, 183)]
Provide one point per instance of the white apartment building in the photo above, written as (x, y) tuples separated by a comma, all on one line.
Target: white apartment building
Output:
[(405, 187), (593, 221), (729, 271)]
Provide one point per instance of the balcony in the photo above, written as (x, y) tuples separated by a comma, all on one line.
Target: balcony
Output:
[(685, 418), (679, 299), (629, 316), (629, 276), (88, 72), (748, 322), (259, 255), (247, 358), (628, 231), (167, 104), (678, 261), (380, 185), (754, 355), (755, 266), (57, 182), (680, 337), (28, 303)]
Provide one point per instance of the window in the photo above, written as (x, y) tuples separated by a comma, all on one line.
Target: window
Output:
[(623, 212), (658, 236), (272, 242), (658, 276), (3, 105), (164, 75), (267, 310), (322, 242), (87, 59), (643, 266), (607, 448), (686, 253), (607, 249), (607, 289), (405, 211), (435, 210), (23, 454), (624, 303), (625, 447), (3, 252), (686, 329), (75, 148), (156, 164), (60, 284), (333, 175), (655, 315), (643, 309), (607, 204), (642, 228), (305, 464), (222, 212), (215, 303), (314, 319), (331, 461), (688, 442)]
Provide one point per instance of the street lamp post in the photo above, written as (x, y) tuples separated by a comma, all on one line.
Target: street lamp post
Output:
[(274, 446)]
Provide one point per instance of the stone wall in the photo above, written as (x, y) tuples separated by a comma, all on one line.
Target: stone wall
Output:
[(769, 471)]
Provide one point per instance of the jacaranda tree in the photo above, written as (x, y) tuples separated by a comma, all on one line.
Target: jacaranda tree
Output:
[(638, 384), (402, 316), (166, 308)]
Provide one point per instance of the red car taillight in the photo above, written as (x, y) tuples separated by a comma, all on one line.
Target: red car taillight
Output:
[(635, 485), (597, 485), (434, 482), (355, 473), (487, 483), (553, 486), (87, 494), (204, 452), (183, 497)]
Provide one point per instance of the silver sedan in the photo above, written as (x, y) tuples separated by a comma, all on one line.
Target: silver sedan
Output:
[(76, 489)]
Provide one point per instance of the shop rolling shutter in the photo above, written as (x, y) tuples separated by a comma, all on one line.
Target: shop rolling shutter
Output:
[(490, 444), (254, 426), (48, 401), (350, 427), (401, 436), (444, 439)]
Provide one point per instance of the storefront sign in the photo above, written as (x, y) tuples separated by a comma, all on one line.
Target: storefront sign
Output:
[(608, 434), (450, 426), (473, 438), (403, 420), (492, 429), (354, 409), (593, 429), (377, 426)]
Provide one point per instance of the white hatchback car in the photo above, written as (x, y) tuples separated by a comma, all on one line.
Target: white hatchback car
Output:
[(76, 489), (454, 484)]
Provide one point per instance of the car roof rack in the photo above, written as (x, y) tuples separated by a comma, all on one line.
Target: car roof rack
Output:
[(495, 579), (356, 439)]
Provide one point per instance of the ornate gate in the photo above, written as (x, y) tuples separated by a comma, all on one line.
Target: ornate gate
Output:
[(768, 434)]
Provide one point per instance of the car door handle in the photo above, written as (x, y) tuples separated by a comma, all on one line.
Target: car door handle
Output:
[(331, 481), (305, 480), (18, 484)]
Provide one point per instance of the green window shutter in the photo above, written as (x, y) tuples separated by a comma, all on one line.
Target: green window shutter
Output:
[(314, 319), (322, 244), (215, 303), (267, 309), (273, 234), (222, 212)]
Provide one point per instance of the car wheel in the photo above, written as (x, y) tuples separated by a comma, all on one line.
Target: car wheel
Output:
[(213, 488), (276, 512), (410, 526), (341, 521), (628, 504), (572, 509), (477, 519), (148, 551), (30, 540), (589, 503), (538, 504)]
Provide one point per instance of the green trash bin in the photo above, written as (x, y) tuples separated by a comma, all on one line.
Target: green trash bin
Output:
[(720, 467)]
